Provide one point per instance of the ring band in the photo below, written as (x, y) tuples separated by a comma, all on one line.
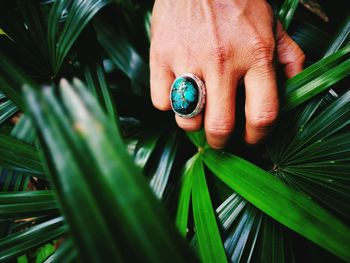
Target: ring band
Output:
[(187, 95)]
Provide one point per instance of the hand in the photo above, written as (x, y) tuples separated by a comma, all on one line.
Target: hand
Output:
[(221, 41)]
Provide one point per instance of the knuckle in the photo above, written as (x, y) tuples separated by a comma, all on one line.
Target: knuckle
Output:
[(219, 131), (220, 55), (263, 120), (157, 51), (262, 51)]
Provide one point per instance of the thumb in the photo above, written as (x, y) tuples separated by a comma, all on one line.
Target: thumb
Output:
[(289, 53)]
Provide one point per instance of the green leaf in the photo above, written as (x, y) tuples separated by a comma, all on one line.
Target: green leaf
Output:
[(96, 82), (19, 156), (122, 53), (79, 15), (145, 147), (22, 259), (35, 25), (80, 142), (198, 138), (313, 156), (11, 81), (161, 176), (207, 231), (19, 243), (2, 32), (331, 120), (316, 78), (185, 196), (287, 11), (262, 190), (44, 252), (317, 85), (341, 39), (66, 252), (17, 205), (275, 247), (241, 240), (7, 110), (13, 181), (230, 209), (24, 130)]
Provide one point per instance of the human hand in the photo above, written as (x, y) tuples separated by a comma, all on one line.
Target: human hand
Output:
[(222, 42)]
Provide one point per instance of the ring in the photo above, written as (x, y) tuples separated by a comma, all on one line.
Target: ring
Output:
[(187, 95)]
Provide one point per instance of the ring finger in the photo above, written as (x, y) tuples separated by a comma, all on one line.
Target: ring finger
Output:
[(194, 123)]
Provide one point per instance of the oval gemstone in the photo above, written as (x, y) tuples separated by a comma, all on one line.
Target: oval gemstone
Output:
[(184, 95)]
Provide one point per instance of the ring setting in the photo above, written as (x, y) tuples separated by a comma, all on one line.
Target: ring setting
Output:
[(187, 95)]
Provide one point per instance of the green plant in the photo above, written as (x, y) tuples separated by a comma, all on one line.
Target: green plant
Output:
[(70, 190)]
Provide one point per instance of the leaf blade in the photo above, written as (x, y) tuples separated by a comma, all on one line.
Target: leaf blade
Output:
[(261, 189)]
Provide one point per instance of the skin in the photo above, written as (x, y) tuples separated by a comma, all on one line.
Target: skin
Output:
[(222, 42)]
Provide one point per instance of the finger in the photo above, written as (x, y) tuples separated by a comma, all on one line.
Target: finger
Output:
[(194, 123), (162, 78), (220, 108), (289, 53), (261, 102)]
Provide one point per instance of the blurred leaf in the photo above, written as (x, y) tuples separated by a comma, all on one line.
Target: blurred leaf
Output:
[(19, 243), (311, 38), (44, 252), (148, 24), (24, 130), (80, 142), (11, 81), (315, 8), (287, 11), (66, 252), (22, 259), (262, 190), (19, 156), (2, 32)]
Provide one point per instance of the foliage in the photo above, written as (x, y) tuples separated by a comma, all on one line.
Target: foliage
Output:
[(78, 168)]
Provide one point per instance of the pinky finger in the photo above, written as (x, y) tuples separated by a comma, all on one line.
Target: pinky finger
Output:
[(289, 53)]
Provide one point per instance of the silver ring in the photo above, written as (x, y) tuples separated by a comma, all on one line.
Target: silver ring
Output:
[(187, 95)]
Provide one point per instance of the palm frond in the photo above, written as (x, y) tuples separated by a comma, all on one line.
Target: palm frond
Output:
[(19, 156), (77, 15), (19, 243), (135, 204), (22, 205)]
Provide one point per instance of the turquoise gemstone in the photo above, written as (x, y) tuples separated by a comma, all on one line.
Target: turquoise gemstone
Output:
[(184, 95)]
